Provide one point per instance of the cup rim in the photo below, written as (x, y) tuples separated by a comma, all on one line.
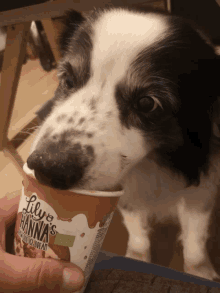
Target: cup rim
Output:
[(98, 192)]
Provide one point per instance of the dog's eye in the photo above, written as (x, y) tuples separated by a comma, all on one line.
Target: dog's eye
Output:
[(69, 81), (146, 104)]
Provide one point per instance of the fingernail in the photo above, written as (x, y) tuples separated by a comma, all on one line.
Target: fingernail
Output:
[(72, 279)]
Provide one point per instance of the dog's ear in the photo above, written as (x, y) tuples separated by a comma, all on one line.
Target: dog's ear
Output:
[(198, 91), (72, 20)]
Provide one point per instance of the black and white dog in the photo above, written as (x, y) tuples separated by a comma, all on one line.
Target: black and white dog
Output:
[(136, 107)]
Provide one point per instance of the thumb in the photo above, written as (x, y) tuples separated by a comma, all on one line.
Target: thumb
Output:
[(37, 275)]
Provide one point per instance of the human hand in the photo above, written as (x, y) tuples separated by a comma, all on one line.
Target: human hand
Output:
[(35, 275)]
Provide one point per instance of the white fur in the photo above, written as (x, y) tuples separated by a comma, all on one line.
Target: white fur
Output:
[(111, 57), (117, 41), (161, 193), (118, 37), (106, 171), (138, 242)]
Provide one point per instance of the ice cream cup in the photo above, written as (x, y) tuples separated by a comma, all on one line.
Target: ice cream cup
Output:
[(68, 225)]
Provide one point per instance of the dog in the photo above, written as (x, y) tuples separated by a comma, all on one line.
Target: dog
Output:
[(137, 108)]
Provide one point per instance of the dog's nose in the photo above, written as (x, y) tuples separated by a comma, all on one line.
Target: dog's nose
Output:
[(58, 169)]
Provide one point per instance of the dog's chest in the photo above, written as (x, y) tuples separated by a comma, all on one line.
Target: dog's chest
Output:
[(146, 190), (158, 193)]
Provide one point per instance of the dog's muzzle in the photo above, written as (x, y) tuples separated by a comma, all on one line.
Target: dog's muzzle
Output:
[(58, 166)]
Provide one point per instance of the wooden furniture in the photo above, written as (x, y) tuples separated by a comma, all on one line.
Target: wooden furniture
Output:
[(18, 22)]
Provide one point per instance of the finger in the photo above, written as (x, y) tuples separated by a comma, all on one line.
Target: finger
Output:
[(22, 274), (2, 234)]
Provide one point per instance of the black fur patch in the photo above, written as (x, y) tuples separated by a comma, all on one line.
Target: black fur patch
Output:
[(71, 120), (81, 120), (61, 118), (179, 72), (90, 135), (73, 19), (92, 104)]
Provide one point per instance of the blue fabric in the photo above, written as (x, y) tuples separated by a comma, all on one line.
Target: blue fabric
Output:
[(108, 260)]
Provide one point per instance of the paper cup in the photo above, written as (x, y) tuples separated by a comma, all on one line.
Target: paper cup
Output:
[(68, 225)]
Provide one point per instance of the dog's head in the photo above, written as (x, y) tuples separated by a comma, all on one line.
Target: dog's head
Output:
[(132, 84)]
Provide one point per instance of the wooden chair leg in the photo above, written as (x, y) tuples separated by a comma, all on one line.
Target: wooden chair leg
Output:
[(51, 36), (11, 153), (12, 63)]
